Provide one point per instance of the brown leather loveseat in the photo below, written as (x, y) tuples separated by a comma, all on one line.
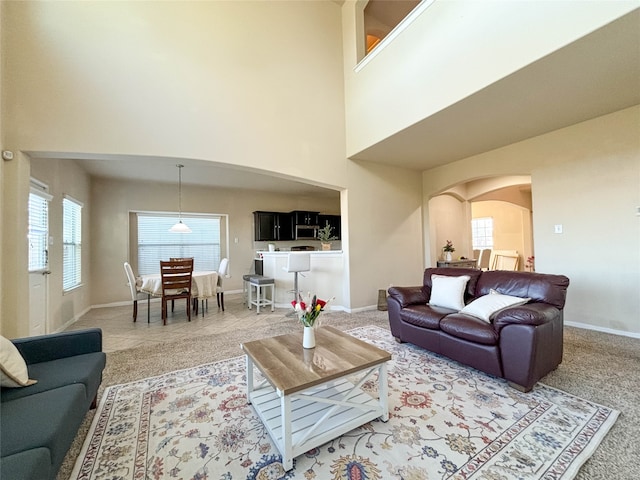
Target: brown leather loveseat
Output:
[(519, 343)]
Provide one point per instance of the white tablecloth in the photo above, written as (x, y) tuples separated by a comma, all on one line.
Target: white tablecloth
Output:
[(203, 284)]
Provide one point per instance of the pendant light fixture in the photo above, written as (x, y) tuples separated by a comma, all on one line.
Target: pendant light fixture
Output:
[(180, 227)]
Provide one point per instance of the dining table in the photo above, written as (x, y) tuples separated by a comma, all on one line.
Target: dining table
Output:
[(203, 286)]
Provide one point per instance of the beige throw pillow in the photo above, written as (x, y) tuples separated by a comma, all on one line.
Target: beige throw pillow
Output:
[(448, 292), (13, 369), (488, 306)]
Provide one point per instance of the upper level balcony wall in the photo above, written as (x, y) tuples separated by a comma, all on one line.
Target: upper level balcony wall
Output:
[(450, 51)]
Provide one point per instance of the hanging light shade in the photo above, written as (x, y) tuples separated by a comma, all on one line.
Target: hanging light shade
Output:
[(180, 227)]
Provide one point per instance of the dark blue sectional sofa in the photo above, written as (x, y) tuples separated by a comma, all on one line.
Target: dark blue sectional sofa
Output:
[(38, 423)]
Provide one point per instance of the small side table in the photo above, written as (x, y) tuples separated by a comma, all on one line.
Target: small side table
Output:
[(469, 263)]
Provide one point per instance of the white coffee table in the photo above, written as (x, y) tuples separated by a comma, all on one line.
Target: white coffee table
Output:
[(309, 397)]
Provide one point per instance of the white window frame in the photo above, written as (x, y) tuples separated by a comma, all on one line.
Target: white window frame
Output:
[(480, 227), (71, 243)]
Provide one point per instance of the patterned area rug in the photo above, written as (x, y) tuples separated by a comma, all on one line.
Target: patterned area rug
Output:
[(446, 421)]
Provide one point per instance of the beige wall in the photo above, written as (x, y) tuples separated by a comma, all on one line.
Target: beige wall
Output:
[(395, 90), (384, 228), (253, 83), (257, 84), (65, 177), (112, 200), (246, 83), (107, 204), (15, 256), (250, 84), (2, 186), (587, 178)]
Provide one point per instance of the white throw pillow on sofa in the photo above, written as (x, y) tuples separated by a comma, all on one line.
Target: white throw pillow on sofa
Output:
[(13, 368), (448, 292), (487, 306)]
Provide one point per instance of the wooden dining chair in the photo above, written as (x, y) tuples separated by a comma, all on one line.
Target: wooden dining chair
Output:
[(506, 262), (180, 259), (195, 300), (176, 284)]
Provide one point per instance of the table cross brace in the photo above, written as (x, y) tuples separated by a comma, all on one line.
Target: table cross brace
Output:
[(343, 402)]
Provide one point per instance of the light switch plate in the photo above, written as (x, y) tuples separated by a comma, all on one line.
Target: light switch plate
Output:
[(557, 228)]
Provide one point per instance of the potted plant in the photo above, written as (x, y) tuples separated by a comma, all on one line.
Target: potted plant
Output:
[(325, 237), (448, 250)]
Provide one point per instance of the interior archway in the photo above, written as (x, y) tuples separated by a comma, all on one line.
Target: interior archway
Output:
[(506, 200)]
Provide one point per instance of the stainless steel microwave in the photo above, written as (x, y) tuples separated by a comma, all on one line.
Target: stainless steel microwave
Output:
[(306, 232)]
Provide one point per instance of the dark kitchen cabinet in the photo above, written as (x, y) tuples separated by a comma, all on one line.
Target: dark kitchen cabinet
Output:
[(333, 221), (270, 226), (305, 218)]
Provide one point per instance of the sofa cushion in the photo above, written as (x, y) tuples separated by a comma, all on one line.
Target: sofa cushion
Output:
[(425, 316), (13, 368), (48, 419), (487, 306), (540, 287), (474, 275), (85, 369), (448, 291), (469, 328), (34, 464)]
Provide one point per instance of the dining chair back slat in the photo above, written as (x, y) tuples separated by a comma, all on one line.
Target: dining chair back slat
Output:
[(176, 283)]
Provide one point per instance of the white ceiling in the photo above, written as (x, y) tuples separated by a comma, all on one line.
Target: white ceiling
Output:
[(595, 75), (195, 172)]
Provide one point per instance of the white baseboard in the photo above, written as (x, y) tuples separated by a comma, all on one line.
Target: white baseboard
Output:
[(339, 308), (127, 302), (586, 326), (71, 321), (361, 309)]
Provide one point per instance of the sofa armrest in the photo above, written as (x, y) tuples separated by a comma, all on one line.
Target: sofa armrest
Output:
[(45, 348), (527, 314), (409, 295)]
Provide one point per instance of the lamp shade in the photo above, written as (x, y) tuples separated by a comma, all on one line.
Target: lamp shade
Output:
[(180, 228)]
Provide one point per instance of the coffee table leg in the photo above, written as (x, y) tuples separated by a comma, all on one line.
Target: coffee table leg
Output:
[(383, 391), (287, 452), (249, 378)]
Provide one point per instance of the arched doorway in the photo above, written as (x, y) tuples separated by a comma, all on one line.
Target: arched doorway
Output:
[(505, 201)]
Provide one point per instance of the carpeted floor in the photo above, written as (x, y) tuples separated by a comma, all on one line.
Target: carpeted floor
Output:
[(599, 367)]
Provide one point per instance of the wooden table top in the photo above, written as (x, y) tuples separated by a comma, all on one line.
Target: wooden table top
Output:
[(291, 368)]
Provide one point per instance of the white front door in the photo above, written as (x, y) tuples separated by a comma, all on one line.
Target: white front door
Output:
[(38, 283), (38, 239)]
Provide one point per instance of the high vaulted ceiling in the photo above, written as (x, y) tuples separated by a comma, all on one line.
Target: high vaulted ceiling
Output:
[(596, 75)]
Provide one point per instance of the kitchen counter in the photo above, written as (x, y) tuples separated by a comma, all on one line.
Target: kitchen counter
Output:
[(325, 279)]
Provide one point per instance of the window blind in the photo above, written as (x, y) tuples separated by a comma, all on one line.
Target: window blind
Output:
[(71, 243), (156, 243), (38, 231)]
